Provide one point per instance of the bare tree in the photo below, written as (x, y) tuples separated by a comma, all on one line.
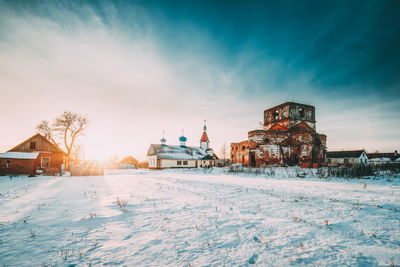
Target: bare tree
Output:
[(77, 152), (224, 151), (68, 127), (44, 128)]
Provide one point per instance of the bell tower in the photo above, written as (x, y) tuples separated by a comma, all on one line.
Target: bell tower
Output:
[(204, 142)]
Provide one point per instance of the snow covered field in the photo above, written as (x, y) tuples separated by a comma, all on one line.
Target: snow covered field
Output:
[(191, 218)]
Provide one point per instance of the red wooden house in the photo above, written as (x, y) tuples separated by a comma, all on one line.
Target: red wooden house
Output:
[(35, 153)]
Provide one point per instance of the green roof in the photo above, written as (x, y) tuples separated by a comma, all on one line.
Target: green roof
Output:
[(207, 157)]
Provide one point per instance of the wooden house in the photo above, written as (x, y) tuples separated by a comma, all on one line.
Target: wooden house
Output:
[(337, 158), (36, 154)]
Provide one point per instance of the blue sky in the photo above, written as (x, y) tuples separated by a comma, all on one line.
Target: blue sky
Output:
[(138, 67)]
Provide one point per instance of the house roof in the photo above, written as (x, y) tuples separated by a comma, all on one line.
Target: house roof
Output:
[(176, 152), (207, 157), (19, 155), (41, 136), (204, 137), (391, 156), (344, 154)]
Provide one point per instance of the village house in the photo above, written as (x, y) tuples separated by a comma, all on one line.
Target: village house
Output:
[(161, 156), (382, 158), (36, 154), (288, 137), (346, 158)]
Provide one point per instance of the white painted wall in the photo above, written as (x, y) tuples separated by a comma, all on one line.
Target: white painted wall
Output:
[(204, 145), (337, 161), (152, 161), (206, 163), (172, 163), (363, 158)]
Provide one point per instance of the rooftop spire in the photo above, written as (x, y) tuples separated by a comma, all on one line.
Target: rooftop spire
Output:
[(204, 142), (163, 140), (182, 139)]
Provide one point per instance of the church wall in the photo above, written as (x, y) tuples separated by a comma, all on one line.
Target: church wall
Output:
[(288, 138)]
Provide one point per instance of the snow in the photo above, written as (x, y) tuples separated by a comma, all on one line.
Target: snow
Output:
[(179, 153), (198, 217), (383, 159), (19, 155)]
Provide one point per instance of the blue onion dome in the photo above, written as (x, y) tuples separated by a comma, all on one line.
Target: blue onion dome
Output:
[(182, 139), (163, 140)]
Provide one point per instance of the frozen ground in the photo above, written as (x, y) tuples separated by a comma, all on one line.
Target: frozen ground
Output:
[(190, 218)]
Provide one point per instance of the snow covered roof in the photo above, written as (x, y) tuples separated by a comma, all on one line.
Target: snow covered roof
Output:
[(19, 155), (383, 159), (392, 156), (176, 152)]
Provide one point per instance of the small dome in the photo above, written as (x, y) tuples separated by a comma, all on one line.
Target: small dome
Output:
[(163, 140), (182, 139)]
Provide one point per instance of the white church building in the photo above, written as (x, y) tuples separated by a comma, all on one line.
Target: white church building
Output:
[(161, 156)]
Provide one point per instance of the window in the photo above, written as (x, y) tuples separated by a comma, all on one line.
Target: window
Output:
[(328, 161), (32, 145), (185, 162), (243, 147), (8, 164), (276, 115), (45, 162), (179, 162), (346, 161), (301, 112)]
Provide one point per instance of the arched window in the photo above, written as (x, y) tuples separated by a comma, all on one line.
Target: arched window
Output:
[(301, 112), (276, 114)]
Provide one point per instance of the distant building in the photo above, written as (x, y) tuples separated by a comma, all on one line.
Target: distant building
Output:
[(288, 137), (381, 158), (36, 153), (240, 152), (161, 156), (338, 158)]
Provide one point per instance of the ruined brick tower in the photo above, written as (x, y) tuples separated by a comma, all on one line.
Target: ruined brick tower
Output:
[(289, 138)]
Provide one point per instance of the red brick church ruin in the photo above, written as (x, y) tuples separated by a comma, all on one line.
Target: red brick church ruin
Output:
[(287, 138)]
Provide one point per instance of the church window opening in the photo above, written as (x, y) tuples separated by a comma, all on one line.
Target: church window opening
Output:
[(301, 112), (276, 115)]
